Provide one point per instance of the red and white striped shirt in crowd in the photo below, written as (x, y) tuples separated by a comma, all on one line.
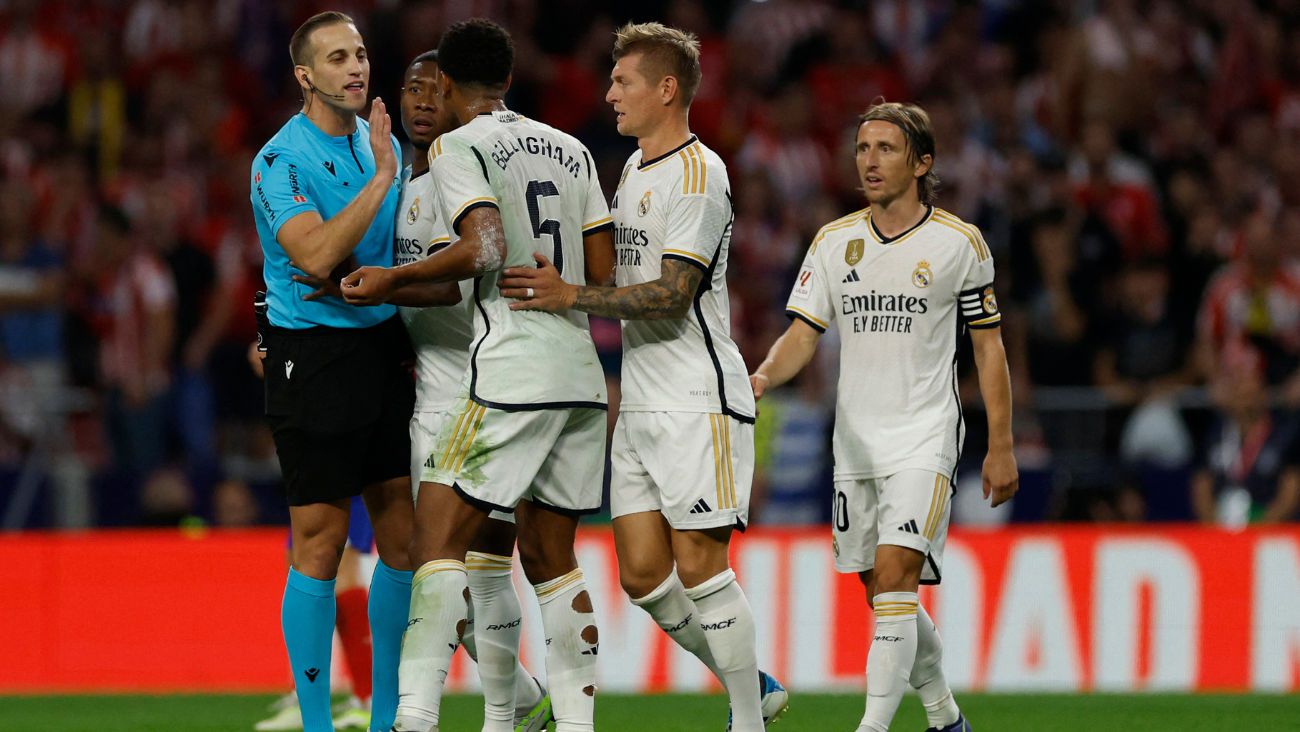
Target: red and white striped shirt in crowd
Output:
[(142, 287)]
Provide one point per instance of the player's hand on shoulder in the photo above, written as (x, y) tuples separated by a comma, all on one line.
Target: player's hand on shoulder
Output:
[(381, 141), (539, 288), (368, 286), (1001, 476)]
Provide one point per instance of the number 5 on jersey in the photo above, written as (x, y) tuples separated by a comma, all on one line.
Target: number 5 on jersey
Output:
[(538, 189)]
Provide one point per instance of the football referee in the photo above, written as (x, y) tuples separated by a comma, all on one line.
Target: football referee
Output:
[(339, 399)]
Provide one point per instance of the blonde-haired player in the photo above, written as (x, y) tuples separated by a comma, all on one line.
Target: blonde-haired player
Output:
[(903, 281), (683, 450)]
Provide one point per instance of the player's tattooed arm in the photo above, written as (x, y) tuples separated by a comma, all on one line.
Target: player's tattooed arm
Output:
[(667, 298)]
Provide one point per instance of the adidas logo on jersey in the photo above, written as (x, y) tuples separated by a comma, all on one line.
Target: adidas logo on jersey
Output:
[(701, 507), (910, 527), (853, 276)]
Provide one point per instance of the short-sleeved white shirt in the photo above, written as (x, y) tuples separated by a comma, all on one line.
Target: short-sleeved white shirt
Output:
[(901, 304), (678, 206), (544, 184), (441, 335)]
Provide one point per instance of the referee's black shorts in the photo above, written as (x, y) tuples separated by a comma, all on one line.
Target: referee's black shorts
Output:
[(339, 404)]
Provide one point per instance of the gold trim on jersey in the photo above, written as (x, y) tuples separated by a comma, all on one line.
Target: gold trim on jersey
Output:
[(693, 169), (871, 229), (972, 233), (471, 202), (985, 321), (594, 224), (436, 242), (840, 223), (818, 321), (435, 149), (692, 255)]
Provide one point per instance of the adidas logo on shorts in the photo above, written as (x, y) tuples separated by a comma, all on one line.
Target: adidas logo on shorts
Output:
[(701, 507), (853, 276), (909, 527)]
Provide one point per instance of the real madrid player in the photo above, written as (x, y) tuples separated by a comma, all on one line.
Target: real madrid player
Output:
[(903, 281), (529, 419), (683, 450), (438, 321)]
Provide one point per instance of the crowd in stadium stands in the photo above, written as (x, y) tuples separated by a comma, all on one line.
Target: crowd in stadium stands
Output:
[(1133, 164)]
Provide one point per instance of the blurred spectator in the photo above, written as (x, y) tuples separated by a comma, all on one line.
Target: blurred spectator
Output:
[(233, 504), (1252, 307), (1058, 345), (166, 499), (1251, 469), (786, 148), (137, 321), (31, 318)]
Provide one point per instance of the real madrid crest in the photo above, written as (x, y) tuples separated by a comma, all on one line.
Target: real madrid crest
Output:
[(414, 212), (853, 253), (990, 302), (644, 207), (922, 276)]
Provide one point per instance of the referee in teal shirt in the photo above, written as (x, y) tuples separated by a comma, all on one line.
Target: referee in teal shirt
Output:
[(339, 398)]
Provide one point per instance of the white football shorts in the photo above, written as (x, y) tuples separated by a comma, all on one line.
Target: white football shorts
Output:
[(494, 458), (693, 467), (424, 432), (909, 508)]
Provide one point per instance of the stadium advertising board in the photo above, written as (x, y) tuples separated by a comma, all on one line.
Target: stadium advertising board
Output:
[(1047, 608)]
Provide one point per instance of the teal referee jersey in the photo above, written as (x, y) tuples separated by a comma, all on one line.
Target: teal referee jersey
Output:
[(304, 169)]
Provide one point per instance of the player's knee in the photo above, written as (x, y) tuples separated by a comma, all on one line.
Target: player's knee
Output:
[(318, 559), (638, 584), (542, 563), (894, 577)]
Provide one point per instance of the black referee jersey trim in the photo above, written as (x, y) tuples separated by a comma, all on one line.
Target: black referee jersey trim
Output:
[(670, 153), (505, 406), (479, 503), (706, 284), (563, 511), (800, 316), (455, 225), (682, 258)]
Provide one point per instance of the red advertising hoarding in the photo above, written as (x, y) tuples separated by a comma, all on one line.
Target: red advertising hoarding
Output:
[(1047, 608)]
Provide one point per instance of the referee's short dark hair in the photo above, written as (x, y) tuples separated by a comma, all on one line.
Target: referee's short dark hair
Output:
[(300, 48), (477, 53)]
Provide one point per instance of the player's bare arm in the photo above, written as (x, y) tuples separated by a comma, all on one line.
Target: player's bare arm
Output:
[(787, 357), (598, 257), (317, 246), (667, 298), (1001, 476), (480, 249)]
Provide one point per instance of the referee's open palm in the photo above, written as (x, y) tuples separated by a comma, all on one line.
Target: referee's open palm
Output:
[(381, 142)]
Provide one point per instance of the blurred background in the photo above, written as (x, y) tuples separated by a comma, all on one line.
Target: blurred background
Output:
[(1132, 164)]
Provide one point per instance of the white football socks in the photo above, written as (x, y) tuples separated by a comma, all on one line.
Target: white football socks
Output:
[(439, 601), (680, 619), (497, 627), (728, 626), (927, 673), (889, 663), (572, 641)]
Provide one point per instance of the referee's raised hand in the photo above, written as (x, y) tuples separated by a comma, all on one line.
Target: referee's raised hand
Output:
[(381, 128)]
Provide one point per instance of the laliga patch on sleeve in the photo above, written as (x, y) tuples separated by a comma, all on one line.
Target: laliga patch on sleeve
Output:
[(803, 285)]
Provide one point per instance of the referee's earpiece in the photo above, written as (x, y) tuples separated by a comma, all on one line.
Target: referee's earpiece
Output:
[(318, 91)]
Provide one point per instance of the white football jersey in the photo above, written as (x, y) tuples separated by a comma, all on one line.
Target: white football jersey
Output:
[(440, 335), (545, 186), (901, 305), (678, 206)]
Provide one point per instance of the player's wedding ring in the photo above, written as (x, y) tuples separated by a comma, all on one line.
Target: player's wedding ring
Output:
[(529, 296)]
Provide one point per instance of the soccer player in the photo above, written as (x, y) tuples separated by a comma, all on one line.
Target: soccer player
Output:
[(683, 451), (529, 419), (338, 397), (903, 281), (442, 337)]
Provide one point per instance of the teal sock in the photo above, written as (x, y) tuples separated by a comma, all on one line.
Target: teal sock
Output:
[(307, 617), (390, 606)]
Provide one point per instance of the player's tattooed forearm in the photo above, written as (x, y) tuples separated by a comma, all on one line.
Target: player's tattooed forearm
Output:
[(666, 298)]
